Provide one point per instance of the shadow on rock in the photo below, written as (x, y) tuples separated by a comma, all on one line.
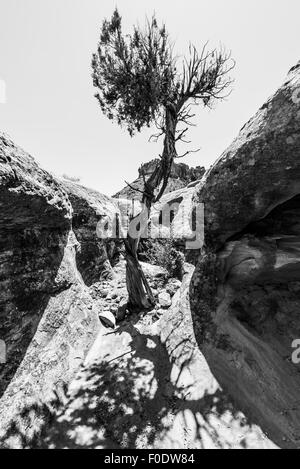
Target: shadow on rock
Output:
[(131, 400)]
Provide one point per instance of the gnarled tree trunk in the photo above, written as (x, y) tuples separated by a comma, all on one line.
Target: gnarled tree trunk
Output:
[(139, 291)]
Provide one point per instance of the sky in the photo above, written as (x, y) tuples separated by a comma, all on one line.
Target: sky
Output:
[(47, 102)]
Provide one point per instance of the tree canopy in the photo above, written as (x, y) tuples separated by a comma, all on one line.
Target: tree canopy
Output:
[(137, 75)]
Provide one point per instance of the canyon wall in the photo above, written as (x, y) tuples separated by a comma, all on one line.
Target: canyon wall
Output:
[(245, 292), (48, 319)]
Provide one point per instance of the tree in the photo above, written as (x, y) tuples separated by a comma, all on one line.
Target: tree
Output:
[(140, 82)]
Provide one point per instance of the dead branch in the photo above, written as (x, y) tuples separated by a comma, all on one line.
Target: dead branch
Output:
[(134, 188), (181, 135), (155, 137), (187, 153)]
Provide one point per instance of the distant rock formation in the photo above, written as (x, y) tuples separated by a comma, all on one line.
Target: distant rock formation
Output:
[(179, 171), (181, 176)]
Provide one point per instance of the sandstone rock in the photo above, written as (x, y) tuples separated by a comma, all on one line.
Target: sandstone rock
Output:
[(179, 171), (34, 232), (22, 180), (245, 312), (104, 292), (182, 405), (114, 295), (154, 272), (164, 299), (243, 299), (179, 216), (259, 171), (96, 254), (204, 404), (45, 311), (173, 286)]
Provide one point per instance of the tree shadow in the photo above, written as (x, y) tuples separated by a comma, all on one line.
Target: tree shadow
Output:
[(129, 401)]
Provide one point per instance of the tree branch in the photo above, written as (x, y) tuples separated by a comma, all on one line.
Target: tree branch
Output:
[(187, 153)]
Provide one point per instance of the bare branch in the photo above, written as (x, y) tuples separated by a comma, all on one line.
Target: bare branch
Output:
[(205, 78), (134, 188), (181, 135), (187, 153), (155, 137), (185, 141)]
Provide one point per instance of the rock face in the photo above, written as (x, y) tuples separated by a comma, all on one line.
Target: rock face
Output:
[(95, 255), (181, 176), (245, 293), (179, 216), (48, 318), (35, 223), (164, 300), (178, 171), (260, 170)]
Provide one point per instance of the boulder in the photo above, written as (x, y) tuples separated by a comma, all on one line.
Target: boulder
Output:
[(164, 299)]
